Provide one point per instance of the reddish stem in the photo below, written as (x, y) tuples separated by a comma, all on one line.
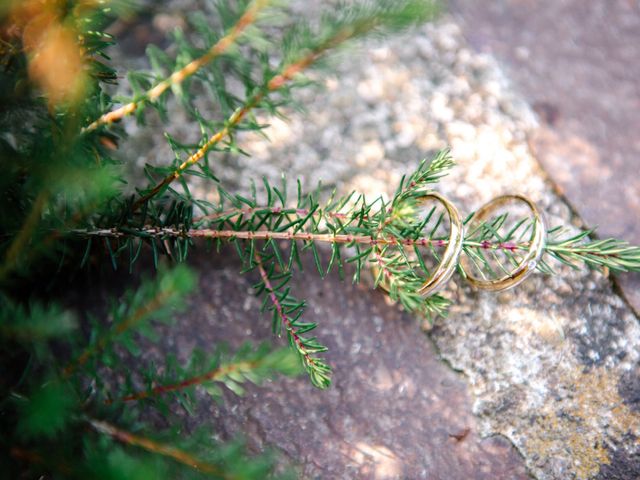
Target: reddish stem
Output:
[(163, 232), (156, 447), (302, 212), (211, 376), (283, 316)]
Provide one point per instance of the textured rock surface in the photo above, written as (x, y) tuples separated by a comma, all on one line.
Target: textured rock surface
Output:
[(553, 365), (577, 64), (394, 409)]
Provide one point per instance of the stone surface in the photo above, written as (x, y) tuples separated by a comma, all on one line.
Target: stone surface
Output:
[(552, 365), (394, 409), (576, 62)]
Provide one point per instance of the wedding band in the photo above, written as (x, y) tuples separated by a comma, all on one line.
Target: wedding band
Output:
[(449, 261), (528, 264)]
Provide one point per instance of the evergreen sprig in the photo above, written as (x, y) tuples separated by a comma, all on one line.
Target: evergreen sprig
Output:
[(386, 234), (494, 245), (396, 238), (210, 371), (61, 178), (71, 405), (158, 299), (54, 397), (194, 455), (287, 312), (174, 73), (609, 253), (303, 46)]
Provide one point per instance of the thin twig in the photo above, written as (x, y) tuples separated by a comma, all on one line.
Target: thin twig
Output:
[(212, 376), (287, 74), (221, 46), (288, 325), (155, 447), (164, 232)]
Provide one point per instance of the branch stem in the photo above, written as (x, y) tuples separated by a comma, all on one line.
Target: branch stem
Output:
[(164, 232), (288, 325), (155, 447), (212, 376), (277, 82), (221, 46), (261, 235)]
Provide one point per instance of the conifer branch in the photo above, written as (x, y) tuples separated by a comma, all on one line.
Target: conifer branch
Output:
[(492, 236), (390, 235), (290, 235), (136, 317), (232, 122), (609, 253), (421, 180), (246, 365), (362, 22), (165, 292), (212, 376), (153, 446), (47, 148), (319, 372), (59, 190), (248, 18)]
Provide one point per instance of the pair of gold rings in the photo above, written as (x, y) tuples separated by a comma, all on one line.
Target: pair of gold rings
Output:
[(448, 262)]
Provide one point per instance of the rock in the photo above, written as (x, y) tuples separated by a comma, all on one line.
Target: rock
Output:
[(580, 74), (395, 410)]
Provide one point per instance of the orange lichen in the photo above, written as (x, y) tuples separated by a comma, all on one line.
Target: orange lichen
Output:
[(583, 423)]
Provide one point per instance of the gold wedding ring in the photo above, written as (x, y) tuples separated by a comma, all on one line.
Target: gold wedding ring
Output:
[(524, 267), (449, 260)]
